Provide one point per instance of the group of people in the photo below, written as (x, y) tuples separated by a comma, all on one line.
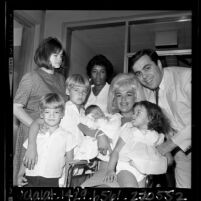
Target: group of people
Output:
[(137, 125)]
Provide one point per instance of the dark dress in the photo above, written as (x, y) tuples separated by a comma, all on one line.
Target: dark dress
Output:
[(32, 87)]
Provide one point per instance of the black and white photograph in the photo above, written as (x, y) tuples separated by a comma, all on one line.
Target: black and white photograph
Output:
[(101, 104)]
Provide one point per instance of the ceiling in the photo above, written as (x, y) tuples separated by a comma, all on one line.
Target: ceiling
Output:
[(110, 40)]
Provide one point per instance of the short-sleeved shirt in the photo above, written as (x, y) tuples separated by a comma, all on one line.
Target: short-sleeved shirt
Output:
[(100, 99), (71, 120), (51, 151)]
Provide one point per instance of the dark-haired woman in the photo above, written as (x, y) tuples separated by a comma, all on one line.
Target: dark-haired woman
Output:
[(33, 85), (100, 71)]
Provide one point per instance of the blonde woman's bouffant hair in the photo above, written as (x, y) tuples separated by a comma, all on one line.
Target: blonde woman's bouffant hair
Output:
[(122, 80)]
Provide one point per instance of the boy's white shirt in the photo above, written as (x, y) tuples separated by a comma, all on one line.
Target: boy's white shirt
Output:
[(51, 151), (86, 147), (71, 119)]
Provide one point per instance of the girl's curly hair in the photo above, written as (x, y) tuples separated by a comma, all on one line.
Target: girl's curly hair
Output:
[(158, 120)]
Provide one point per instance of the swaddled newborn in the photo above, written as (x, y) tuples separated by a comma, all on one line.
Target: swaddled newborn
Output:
[(109, 124)]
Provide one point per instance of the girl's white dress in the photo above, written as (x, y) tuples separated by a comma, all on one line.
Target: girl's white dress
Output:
[(139, 154)]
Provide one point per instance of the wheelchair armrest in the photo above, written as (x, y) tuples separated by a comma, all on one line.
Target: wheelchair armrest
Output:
[(78, 171), (77, 162)]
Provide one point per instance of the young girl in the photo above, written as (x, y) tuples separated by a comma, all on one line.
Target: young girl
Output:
[(54, 147), (135, 153), (33, 85)]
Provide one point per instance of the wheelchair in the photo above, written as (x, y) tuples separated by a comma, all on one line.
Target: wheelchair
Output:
[(161, 180), (80, 170)]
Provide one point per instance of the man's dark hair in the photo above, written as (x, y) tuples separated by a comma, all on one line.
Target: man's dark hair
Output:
[(149, 52)]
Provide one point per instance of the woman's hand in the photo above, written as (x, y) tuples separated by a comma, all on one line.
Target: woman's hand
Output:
[(31, 157), (110, 176), (21, 181), (103, 144)]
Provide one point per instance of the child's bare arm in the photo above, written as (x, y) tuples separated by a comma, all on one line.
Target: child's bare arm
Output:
[(110, 173), (30, 158)]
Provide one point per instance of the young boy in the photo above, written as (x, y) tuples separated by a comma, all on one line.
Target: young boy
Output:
[(54, 146), (77, 88)]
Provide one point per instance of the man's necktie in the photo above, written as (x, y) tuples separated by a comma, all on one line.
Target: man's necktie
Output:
[(156, 94)]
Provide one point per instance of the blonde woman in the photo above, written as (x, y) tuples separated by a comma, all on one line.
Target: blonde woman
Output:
[(124, 91)]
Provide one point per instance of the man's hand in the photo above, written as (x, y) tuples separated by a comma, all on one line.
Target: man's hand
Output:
[(166, 147)]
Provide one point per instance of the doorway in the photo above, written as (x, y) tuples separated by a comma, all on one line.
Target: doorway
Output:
[(24, 30)]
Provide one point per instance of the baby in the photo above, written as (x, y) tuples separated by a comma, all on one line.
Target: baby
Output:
[(108, 124)]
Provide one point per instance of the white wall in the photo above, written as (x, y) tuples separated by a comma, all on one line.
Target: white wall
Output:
[(54, 19), (38, 18), (80, 56)]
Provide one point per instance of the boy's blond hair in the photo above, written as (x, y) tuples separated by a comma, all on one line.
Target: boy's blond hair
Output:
[(77, 80), (52, 100)]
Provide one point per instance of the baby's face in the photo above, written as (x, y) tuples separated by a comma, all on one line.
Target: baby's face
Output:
[(97, 114)]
